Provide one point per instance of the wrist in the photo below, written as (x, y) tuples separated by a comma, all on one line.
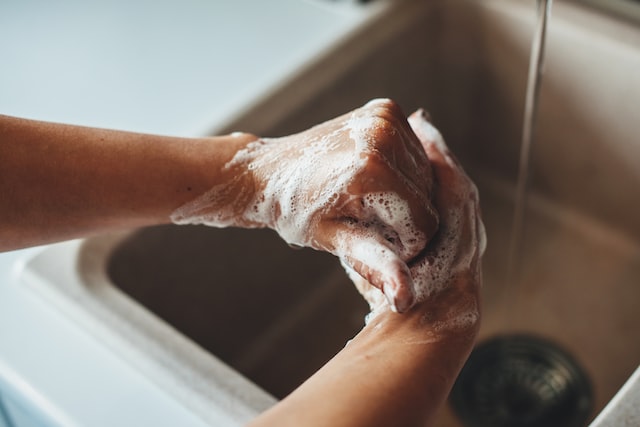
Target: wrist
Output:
[(220, 189), (420, 326)]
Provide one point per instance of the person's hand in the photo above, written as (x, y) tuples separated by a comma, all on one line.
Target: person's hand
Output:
[(358, 186), (447, 274)]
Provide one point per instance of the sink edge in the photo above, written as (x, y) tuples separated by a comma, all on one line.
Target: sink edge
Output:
[(72, 276)]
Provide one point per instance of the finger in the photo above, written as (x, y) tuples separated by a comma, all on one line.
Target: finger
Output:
[(403, 219), (401, 146), (370, 256), (396, 184), (370, 293), (460, 240), (400, 213), (449, 173), (446, 168), (431, 139)]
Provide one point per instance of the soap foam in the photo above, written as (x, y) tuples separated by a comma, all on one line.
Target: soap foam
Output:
[(447, 257), (304, 183), (397, 225), (216, 207)]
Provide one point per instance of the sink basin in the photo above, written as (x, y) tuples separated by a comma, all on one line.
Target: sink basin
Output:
[(273, 313), (276, 314)]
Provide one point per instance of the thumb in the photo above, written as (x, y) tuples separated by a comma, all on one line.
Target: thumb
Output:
[(372, 257)]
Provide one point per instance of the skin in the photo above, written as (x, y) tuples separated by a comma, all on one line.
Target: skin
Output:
[(391, 161), (59, 182), (400, 368)]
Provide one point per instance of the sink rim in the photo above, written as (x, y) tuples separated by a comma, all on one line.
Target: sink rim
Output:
[(72, 276)]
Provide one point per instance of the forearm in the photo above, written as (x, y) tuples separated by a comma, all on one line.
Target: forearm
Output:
[(60, 181), (396, 371)]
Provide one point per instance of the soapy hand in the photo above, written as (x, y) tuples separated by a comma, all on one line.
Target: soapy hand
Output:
[(447, 274), (358, 186)]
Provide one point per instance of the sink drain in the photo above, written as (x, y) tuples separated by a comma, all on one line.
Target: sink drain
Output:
[(521, 381)]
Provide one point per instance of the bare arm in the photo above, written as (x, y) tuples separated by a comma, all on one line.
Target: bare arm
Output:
[(395, 372), (59, 181), (358, 186)]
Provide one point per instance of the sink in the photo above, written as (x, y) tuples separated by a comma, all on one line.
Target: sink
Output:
[(276, 314), (273, 313), (285, 312)]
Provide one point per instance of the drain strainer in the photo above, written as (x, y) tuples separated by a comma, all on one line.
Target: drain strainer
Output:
[(521, 381)]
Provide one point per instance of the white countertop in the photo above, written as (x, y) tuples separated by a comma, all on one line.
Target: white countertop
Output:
[(66, 374), (159, 66), (182, 68)]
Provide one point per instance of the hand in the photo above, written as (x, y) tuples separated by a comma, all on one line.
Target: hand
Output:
[(447, 275), (399, 369), (358, 186)]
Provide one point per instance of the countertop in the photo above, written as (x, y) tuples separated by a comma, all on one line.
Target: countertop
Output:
[(164, 67)]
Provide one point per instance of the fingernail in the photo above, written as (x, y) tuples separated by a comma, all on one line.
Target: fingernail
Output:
[(403, 304), (398, 301), (392, 296), (405, 294)]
